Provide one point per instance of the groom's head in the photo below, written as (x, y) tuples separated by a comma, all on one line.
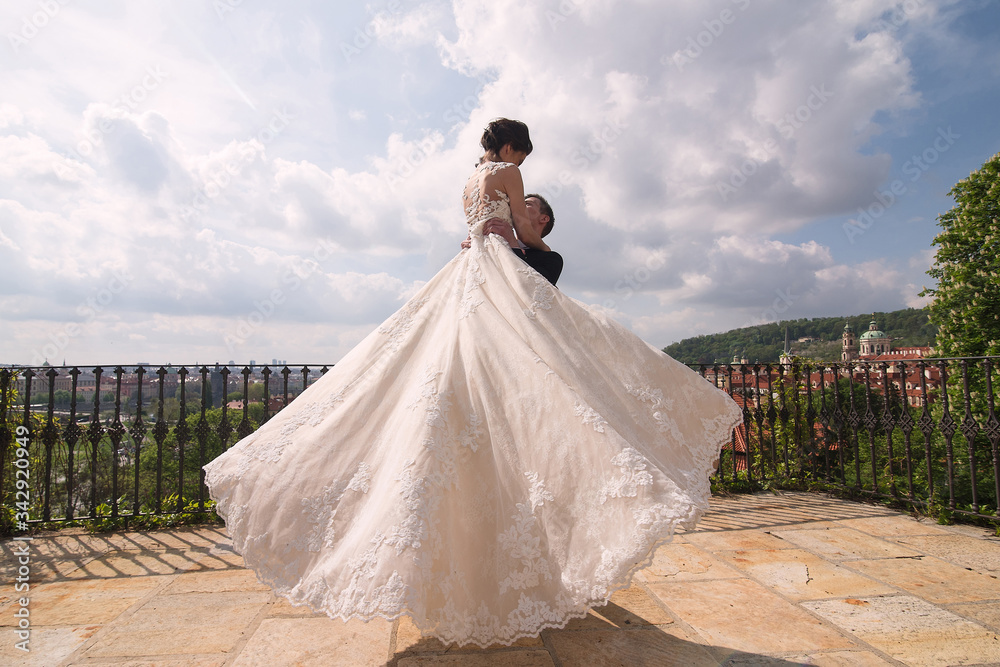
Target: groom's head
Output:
[(539, 213)]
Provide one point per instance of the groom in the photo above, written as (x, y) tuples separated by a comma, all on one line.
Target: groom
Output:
[(548, 263)]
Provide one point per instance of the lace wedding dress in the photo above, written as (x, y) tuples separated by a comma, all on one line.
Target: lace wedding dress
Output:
[(493, 460)]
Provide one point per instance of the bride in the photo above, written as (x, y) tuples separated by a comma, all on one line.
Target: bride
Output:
[(493, 460)]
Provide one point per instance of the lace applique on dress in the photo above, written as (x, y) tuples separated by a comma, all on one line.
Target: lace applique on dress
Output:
[(259, 448), (541, 297), (634, 475), (538, 493), (361, 478), (548, 371), (522, 545), (438, 402), (591, 417), (468, 284), (398, 325), (365, 564), (660, 407), (473, 433), (321, 511), (414, 528), (478, 209)]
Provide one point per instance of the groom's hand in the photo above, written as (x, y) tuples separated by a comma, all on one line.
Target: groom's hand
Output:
[(501, 228), (495, 226)]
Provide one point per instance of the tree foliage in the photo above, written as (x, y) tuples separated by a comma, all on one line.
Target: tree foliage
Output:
[(966, 305), (764, 343)]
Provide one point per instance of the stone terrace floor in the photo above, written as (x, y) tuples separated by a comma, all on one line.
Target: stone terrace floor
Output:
[(793, 578)]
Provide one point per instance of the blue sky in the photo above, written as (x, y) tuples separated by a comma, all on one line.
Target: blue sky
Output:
[(239, 179)]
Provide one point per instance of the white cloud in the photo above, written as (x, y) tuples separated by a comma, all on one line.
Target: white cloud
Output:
[(690, 156)]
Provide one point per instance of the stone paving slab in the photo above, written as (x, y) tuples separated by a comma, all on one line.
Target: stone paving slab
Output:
[(798, 574), (50, 645), (84, 602), (979, 554), (841, 544), (931, 578), (912, 630), (317, 641), (897, 525), (686, 562), (837, 659), (732, 540), (986, 613), (500, 659), (746, 616), (182, 623), (770, 579), (610, 648)]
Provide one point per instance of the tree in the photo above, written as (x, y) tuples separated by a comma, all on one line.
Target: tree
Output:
[(966, 300), (256, 392)]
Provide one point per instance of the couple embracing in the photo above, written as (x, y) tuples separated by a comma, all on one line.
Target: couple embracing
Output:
[(495, 459)]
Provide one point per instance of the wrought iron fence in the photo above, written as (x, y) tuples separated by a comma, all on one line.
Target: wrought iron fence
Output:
[(88, 443), (887, 428)]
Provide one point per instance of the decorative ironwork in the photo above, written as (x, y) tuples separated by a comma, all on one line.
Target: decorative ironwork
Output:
[(135, 428)]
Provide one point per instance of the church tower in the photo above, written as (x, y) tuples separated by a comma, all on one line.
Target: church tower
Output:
[(873, 341), (786, 353), (848, 353)]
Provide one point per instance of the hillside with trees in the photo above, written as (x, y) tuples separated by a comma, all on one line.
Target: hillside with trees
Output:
[(764, 343)]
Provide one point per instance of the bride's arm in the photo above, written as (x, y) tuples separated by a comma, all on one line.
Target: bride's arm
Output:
[(514, 187)]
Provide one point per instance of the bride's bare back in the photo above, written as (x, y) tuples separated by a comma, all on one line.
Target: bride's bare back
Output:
[(495, 190), (484, 196)]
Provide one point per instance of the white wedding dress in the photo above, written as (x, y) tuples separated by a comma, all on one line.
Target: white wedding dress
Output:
[(493, 460)]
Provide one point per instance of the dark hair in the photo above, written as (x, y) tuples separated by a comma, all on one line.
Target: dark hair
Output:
[(503, 131), (546, 210)]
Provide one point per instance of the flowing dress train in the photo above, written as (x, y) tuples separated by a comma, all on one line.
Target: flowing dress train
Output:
[(495, 459)]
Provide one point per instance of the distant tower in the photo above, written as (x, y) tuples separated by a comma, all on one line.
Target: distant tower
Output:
[(848, 353), (786, 354), (873, 341)]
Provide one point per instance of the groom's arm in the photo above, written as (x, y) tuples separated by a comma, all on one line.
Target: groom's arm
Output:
[(548, 263)]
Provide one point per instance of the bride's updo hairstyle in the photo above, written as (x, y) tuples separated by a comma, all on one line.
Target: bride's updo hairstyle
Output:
[(503, 131)]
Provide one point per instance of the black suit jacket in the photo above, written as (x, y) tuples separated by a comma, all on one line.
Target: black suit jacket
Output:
[(548, 263)]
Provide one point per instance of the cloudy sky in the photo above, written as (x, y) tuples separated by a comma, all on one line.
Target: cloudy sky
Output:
[(206, 180)]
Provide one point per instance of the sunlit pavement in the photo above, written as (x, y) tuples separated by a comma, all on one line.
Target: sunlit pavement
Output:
[(795, 578)]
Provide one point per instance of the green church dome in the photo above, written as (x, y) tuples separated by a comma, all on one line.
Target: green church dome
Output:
[(872, 332)]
